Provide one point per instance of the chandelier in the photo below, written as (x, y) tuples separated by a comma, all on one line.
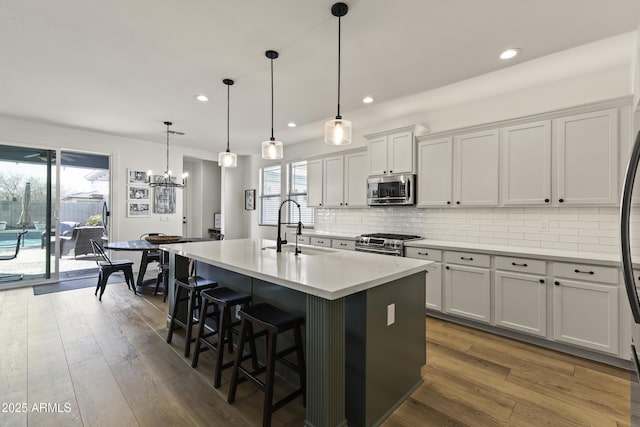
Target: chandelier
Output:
[(167, 179)]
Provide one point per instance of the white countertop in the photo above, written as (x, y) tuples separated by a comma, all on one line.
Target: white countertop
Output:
[(329, 235), (329, 274), (537, 253)]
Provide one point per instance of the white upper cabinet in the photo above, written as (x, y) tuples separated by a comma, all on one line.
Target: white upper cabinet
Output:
[(587, 158), (526, 164), (475, 172), (355, 182), (333, 195), (314, 183), (391, 152), (435, 172), (338, 181)]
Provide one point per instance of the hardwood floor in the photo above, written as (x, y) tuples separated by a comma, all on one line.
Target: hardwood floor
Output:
[(478, 379), (108, 364)]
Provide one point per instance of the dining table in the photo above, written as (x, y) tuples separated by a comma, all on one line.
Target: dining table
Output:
[(144, 246)]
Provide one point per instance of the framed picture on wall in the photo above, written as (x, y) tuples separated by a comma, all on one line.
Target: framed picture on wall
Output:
[(249, 199), (138, 177), (138, 209), (164, 200), (138, 192)]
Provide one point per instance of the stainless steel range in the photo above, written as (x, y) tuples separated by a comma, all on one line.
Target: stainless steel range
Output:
[(383, 243)]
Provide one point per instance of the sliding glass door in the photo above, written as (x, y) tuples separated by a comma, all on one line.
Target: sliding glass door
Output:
[(27, 195)]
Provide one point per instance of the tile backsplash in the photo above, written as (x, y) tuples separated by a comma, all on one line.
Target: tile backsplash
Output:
[(588, 229)]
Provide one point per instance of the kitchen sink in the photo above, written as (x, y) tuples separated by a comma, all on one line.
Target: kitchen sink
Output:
[(305, 250)]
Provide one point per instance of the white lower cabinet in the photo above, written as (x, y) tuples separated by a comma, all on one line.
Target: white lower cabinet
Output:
[(586, 314), (467, 292), (521, 302), (433, 284)]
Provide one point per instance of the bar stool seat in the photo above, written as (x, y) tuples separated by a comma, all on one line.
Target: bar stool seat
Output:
[(225, 300), (274, 321), (191, 287)]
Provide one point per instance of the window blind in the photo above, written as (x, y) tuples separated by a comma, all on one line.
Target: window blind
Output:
[(269, 195), (297, 190)]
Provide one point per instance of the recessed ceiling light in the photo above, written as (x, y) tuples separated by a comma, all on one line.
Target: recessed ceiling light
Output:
[(367, 100), (510, 53), (291, 124), (202, 98)]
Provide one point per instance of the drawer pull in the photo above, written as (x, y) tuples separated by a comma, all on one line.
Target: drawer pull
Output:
[(519, 265), (423, 253), (556, 283), (447, 267), (320, 241), (541, 280), (466, 259), (583, 272), (343, 244)]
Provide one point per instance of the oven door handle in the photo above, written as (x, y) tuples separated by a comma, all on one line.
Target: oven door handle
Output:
[(377, 251)]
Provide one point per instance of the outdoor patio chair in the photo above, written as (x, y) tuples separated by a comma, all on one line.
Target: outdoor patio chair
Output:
[(13, 276), (79, 240), (107, 267)]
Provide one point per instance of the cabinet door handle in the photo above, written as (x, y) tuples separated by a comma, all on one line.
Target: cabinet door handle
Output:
[(347, 204), (340, 203), (541, 280), (343, 244), (390, 171), (320, 241), (556, 283), (384, 171), (448, 202), (423, 253), (519, 265), (561, 200), (583, 272), (466, 259), (546, 200), (447, 267), (458, 202)]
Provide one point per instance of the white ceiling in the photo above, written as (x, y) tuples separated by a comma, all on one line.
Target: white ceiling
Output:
[(123, 67)]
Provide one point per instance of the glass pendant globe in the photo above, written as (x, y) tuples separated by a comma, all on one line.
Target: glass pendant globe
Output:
[(226, 159), (337, 132), (272, 150)]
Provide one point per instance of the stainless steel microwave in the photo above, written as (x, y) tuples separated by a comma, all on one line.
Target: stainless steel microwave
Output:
[(391, 190)]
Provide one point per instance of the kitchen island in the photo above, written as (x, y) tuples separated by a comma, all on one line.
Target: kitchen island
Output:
[(365, 323)]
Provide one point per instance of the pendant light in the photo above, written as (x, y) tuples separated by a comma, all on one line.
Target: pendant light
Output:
[(338, 131), (271, 149), (227, 159), (167, 179)]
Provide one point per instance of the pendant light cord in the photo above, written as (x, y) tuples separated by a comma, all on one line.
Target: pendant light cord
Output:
[(272, 138), (228, 119), (167, 170), (339, 31)]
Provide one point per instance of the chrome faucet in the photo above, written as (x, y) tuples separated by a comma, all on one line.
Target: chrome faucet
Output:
[(279, 240)]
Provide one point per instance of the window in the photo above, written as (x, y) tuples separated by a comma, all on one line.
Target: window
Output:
[(269, 195), (297, 190)]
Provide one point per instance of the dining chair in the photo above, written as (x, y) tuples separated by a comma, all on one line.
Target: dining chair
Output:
[(13, 276), (107, 267)]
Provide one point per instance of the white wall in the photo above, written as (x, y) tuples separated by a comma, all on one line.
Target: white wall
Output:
[(235, 220)]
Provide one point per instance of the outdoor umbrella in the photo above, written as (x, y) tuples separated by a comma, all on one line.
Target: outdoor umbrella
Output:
[(25, 219)]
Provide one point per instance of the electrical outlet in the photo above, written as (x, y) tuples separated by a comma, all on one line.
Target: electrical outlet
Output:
[(544, 225), (391, 314)]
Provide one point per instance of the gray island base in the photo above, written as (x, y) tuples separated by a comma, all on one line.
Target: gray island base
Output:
[(359, 368)]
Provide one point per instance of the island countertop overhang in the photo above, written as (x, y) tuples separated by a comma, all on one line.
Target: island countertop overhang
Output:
[(329, 275)]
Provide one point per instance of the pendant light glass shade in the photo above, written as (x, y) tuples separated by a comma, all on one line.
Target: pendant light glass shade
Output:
[(227, 159), (338, 131), (272, 149)]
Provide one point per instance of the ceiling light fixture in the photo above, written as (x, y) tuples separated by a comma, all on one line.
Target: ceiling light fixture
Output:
[(271, 149), (227, 159), (291, 124), (510, 53), (338, 131), (202, 98), (167, 179), (367, 100)]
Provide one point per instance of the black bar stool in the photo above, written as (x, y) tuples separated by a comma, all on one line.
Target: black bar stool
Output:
[(188, 289), (275, 322), (225, 300), (163, 271)]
